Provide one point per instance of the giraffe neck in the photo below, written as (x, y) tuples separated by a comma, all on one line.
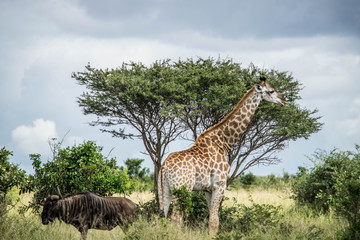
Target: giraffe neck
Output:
[(228, 131)]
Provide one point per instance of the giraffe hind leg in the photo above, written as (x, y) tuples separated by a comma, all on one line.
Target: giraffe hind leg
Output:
[(177, 216), (167, 197), (208, 199)]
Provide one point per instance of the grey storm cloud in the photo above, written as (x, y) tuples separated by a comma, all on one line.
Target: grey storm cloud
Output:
[(43, 41), (258, 18)]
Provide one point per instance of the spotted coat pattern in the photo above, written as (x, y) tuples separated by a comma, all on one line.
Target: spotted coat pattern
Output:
[(204, 167)]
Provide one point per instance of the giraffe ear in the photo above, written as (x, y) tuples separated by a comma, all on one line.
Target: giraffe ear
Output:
[(258, 88)]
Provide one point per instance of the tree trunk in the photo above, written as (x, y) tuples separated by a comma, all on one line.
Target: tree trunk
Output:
[(157, 167)]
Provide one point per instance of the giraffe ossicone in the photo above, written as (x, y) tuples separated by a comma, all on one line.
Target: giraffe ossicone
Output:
[(203, 167)]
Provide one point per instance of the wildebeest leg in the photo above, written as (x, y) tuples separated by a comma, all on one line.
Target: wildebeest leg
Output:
[(124, 227), (83, 231)]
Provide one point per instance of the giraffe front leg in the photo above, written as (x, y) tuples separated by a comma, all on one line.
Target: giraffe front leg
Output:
[(216, 197)]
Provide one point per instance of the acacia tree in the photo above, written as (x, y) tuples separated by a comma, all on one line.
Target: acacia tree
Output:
[(169, 99), (145, 98)]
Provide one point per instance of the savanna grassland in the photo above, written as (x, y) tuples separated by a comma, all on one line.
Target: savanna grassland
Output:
[(263, 213)]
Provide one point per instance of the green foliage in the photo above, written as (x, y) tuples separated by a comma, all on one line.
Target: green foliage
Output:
[(134, 168), (334, 182), (183, 200), (317, 187), (247, 179), (245, 219), (10, 176), (149, 209), (200, 211), (166, 99), (193, 203), (250, 181), (141, 177), (145, 98), (78, 169)]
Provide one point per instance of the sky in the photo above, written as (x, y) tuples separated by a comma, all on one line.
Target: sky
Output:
[(42, 42)]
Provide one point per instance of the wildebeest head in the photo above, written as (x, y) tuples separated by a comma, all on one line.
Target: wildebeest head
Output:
[(49, 214)]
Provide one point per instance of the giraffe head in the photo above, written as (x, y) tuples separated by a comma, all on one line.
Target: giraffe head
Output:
[(268, 93)]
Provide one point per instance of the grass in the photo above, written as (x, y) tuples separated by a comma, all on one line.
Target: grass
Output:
[(292, 222), (261, 196)]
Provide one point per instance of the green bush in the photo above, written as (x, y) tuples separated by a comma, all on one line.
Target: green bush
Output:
[(10, 176), (317, 186), (141, 177), (244, 219), (333, 182), (247, 179), (183, 201), (192, 205), (148, 210), (78, 169)]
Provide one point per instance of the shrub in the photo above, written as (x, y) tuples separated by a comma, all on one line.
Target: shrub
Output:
[(247, 179), (183, 201), (148, 210), (333, 182), (245, 219), (10, 176), (78, 169), (140, 176), (318, 187)]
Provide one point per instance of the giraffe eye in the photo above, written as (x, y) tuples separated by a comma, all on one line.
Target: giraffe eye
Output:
[(270, 92)]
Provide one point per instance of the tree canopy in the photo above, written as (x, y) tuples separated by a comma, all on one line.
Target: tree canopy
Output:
[(169, 99), (134, 169)]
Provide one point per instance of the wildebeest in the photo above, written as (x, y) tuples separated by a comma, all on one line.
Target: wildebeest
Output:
[(89, 211)]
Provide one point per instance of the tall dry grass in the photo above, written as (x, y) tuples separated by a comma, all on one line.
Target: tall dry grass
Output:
[(261, 196), (294, 222)]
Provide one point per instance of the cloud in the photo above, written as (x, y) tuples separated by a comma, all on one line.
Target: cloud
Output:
[(230, 19), (351, 125), (34, 138), (45, 41)]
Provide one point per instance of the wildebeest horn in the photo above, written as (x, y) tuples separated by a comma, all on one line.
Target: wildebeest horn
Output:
[(54, 197), (58, 189)]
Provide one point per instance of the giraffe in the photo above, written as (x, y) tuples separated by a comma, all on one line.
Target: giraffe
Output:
[(204, 167)]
